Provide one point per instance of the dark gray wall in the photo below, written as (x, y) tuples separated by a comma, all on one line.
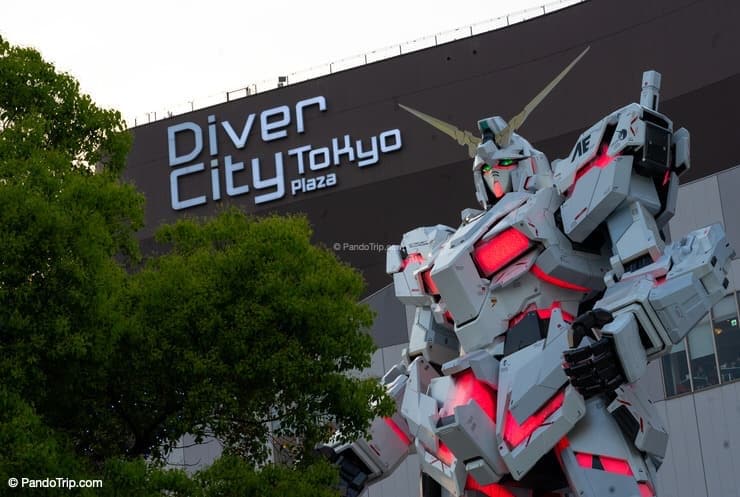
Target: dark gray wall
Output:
[(693, 43)]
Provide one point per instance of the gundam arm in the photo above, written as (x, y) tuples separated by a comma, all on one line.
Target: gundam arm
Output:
[(622, 177), (432, 342), (656, 306), (389, 442)]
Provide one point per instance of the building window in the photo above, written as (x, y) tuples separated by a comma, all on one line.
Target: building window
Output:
[(727, 337), (709, 355), (703, 361), (676, 371)]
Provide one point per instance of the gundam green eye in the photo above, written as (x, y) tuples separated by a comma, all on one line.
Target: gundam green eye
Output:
[(486, 168), (506, 162)]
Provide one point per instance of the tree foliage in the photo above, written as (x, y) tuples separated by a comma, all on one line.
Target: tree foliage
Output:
[(61, 225), (243, 330)]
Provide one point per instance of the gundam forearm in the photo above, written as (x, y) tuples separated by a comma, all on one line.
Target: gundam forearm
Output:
[(389, 442), (654, 307)]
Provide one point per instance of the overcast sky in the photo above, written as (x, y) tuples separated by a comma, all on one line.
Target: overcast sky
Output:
[(145, 56)]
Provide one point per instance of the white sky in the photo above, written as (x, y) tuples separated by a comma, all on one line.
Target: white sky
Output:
[(145, 56)]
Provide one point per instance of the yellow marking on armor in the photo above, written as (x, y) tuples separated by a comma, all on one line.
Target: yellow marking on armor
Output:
[(462, 137), (503, 137)]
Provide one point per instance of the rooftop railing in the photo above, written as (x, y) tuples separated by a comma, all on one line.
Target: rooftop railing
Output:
[(354, 61)]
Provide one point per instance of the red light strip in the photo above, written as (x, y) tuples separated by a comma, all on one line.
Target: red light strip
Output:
[(429, 285), (503, 248), (555, 281), (562, 444), (645, 490), (398, 431), (492, 490), (541, 313), (415, 257), (467, 387), (601, 161), (448, 316), (610, 464), (514, 433), (444, 454)]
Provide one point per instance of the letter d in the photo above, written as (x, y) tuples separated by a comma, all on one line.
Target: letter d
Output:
[(172, 142)]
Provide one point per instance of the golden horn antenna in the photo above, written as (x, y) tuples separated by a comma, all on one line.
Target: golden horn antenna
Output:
[(462, 137), (503, 137)]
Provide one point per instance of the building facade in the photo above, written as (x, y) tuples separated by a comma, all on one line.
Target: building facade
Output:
[(339, 149)]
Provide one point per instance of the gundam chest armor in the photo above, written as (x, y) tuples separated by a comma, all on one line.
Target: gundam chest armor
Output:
[(534, 319)]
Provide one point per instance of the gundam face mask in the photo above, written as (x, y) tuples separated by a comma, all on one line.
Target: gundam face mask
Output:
[(497, 177)]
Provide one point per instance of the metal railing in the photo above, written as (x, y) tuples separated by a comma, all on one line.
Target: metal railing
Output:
[(354, 61)]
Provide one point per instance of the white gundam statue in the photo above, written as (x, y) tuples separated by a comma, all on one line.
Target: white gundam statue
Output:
[(537, 316)]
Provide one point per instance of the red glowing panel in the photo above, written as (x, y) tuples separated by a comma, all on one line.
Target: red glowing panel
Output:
[(411, 258), (645, 490), (492, 490), (515, 320), (498, 190), (541, 313), (610, 464), (429, 284), (398, 431), (666, 177), (497, 252), (601, 160), (448, 316), (613, 465), (555, 281), (546, 313), (467, 387), (514, 433), (585, 460), (562, 444), (444, 454)]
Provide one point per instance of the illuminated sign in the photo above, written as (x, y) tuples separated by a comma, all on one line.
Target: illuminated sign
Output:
[(187, 140)]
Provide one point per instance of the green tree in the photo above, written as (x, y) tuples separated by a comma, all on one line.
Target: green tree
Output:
[(243, 330), (61, 226)]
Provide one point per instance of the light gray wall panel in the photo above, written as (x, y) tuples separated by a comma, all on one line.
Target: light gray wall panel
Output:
[(666, 483), (392, 355), (410, 315), (376, 369), (683, 447), (652, 382), (729, 192), (390, 326), (735, 273), (413, 475), (698, 205), (403, 482), (196, 456), (731, 413), (714, 436)]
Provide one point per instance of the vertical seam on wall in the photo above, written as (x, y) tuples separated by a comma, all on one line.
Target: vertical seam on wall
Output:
[(701, 449), (673, 458)]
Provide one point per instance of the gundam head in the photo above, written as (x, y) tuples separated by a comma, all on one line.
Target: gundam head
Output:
[(503, 161), (496, 169)]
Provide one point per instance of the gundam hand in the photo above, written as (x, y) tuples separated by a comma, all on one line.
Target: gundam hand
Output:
[(353, 474), (593, 368), (585, 323)]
